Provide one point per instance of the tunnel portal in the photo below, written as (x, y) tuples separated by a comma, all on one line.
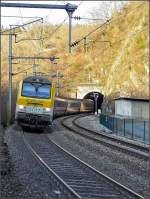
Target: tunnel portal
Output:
[(91, 95)]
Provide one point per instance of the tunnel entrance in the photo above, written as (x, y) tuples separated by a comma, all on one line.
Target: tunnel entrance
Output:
[(93, 95)]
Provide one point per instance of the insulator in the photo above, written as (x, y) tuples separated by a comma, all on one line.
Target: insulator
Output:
[(77, 17)]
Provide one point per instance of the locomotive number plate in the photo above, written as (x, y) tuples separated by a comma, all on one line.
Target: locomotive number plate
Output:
[(34, 110)]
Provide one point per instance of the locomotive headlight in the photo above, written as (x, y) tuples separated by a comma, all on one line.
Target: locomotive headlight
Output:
[(21, 107), (47, 109)]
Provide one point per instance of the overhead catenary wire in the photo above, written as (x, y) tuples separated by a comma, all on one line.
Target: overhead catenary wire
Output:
[(119, 41), (22, 23), (131, 10), (111, 44), (97, 39), (86, 18), (60, 25), (42, 31), (20, 13), (40, 19), (78, 41), (50, 11), (15, 16), (56, 29), (22, 71), (135, 33), (123, 39), (106, 22)]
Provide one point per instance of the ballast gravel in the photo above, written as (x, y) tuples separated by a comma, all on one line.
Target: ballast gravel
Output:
[(27, 178), (126, 169)]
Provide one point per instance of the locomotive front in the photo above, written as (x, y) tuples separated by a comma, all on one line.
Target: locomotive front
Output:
[(35, 102)]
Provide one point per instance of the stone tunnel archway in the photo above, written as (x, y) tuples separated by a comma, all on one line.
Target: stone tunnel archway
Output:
[(86, 91), (90, 95)]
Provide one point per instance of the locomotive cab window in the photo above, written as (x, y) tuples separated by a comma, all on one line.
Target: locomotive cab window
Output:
[(36, 90)]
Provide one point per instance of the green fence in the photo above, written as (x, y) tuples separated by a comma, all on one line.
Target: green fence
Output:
[(131, 128)]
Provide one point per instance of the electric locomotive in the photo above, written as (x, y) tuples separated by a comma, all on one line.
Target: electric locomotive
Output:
[(35, 102)]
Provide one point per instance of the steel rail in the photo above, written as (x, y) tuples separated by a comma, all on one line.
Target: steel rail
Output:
[(80, 178), (101, 133), (98, 172), (105, 139), (48, 168)]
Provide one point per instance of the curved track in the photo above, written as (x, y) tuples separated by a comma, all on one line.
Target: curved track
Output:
[(38, 150), (71, 124), (77, 177)]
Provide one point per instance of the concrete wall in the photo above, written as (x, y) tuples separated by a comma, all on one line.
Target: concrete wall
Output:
[(135, 109), (123, 107)]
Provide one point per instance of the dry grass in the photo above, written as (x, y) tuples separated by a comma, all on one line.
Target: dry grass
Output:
[(121, 69)]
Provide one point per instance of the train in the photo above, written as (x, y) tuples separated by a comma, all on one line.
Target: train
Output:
[(67, 106), (35, 102), (37, 106)]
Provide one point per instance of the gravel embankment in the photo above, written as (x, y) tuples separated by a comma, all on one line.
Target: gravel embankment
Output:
[(126, 169), (5, 167), (92, 122), (27, 178)]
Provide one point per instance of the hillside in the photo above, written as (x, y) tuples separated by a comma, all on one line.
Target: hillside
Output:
[(116, 57)]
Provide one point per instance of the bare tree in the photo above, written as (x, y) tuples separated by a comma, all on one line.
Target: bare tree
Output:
[(105, 9)]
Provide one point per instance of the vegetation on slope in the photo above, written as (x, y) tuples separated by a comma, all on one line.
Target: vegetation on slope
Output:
[(116, 56)]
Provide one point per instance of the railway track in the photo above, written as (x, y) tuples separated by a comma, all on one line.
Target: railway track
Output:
[(77, 177), (71, 123), (38, 150)]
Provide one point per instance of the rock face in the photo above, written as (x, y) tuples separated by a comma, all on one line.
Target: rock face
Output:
[(121, 68), (128, 74)]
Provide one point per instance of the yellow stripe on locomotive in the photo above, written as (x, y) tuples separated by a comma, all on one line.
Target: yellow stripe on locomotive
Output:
[(35, 102)]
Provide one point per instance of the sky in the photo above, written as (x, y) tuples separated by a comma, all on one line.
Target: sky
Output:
[(52, 16)]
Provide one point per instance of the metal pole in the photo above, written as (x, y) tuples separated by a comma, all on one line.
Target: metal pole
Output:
[(44, 6), (96, 105), (95, 99), (124, 127), (70, 8), (0, 91), (70, 30), (34, 71), (132, 129), (58, 82), (57, 93), (116, 125), (113, 124), (84, 44), (144, 132), (10, 80)]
